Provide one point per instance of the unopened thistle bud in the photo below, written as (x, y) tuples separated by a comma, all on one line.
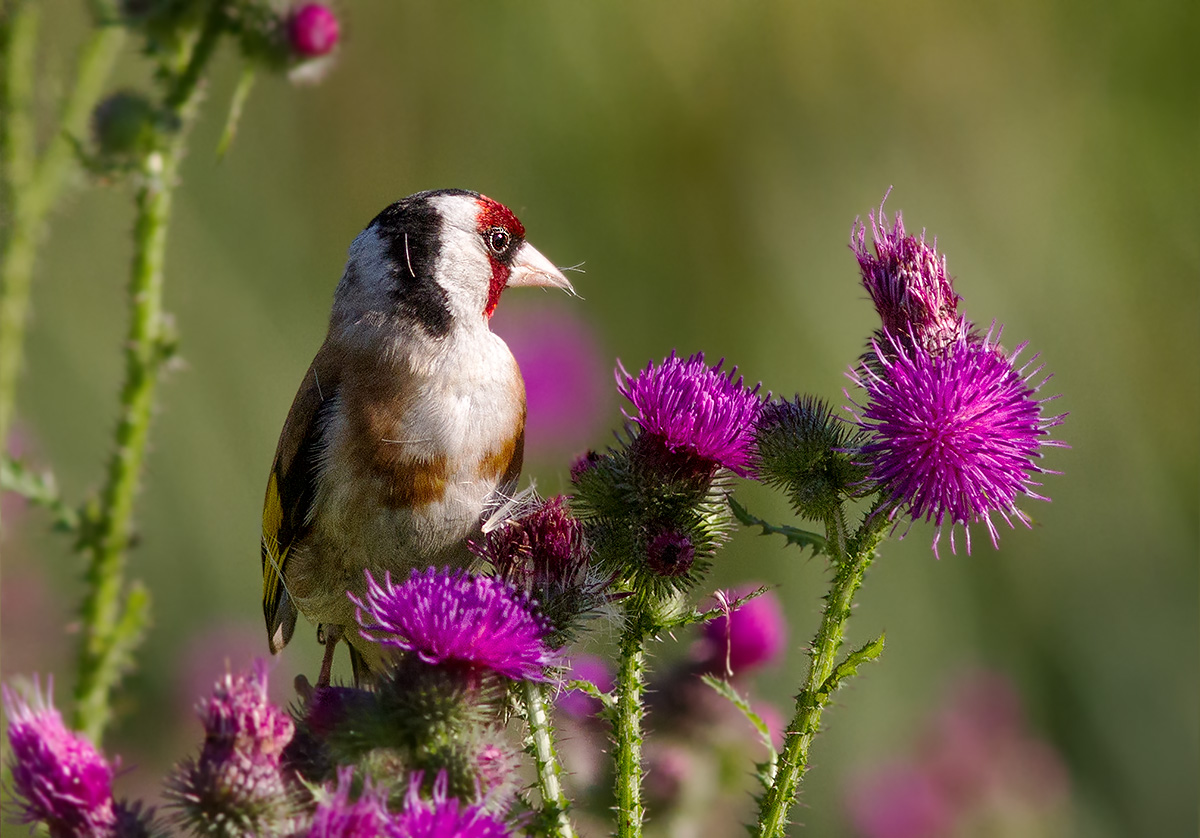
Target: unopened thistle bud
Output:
[(907, 280), (313, 30), (670, 553), (809, 453)]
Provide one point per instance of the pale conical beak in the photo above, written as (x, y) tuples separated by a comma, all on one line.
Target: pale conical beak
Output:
[(530, 268)]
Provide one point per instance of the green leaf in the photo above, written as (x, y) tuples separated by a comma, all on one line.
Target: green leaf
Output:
[(801, 538), (704, 616), (848, 668), (591, 689), (39, 488), (240, 94), (725, 690)]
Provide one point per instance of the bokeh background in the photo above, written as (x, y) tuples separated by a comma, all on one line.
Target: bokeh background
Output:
[(704, 163)]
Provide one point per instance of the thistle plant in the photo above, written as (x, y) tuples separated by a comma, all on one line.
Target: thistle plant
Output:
[(458, 731)]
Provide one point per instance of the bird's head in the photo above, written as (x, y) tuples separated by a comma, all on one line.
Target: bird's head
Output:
[(436, 261)]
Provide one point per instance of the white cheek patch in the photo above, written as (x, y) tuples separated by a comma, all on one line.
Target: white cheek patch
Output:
[(464, 268)]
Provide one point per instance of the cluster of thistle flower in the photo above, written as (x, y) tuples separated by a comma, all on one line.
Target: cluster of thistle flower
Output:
[(298, 39), (949, 434)]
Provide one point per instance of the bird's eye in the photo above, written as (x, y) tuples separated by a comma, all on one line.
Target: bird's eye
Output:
[(498, 239)]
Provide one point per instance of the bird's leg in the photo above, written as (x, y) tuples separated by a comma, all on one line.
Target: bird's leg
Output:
[(329, 635)]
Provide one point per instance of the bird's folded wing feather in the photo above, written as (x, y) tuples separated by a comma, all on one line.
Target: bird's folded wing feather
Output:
[(291, 490)]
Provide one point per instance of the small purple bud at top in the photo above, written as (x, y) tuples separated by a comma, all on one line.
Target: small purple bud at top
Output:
[(670, 553), (313, 30), (908, 282), (337, 816), (695, 410), (450, 616), (746, 637), (954, 435), (58, 776), (443, 817), (576, 703)]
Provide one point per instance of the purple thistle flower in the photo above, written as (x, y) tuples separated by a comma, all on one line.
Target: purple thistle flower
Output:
[(745, 637), (58, 776), (695, 410), (237, 778), (954, 434), (337, 816), (452, 616), (443, 817), (907, 281)]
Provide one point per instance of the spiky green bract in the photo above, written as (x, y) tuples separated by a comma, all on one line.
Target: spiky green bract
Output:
[(807, 452), (636, 497), (478, 766), (420, 717)]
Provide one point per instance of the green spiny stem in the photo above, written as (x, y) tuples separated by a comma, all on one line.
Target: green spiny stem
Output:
[(105, 645), (850, 567), (549, 772), (628, 729), (17, 146)]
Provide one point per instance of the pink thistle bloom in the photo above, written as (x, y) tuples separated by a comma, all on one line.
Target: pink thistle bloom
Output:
[(453, 616), (695, 410), (238, 778), (954, 434), (564, 371), (576, 703), (337, 816), (58, 776), (443, 817)]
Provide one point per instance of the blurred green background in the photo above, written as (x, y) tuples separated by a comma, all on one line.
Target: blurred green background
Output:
[(705, 163)]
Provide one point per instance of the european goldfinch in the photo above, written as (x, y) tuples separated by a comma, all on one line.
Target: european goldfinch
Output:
[(410, 420)]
